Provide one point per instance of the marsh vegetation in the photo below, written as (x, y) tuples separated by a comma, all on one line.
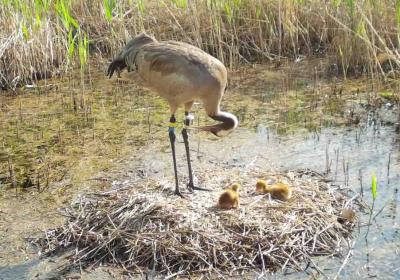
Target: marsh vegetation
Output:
[(43, 38), (313, 83)]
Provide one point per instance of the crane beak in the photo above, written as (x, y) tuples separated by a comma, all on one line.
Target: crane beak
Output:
[(111, 69), (114, 65)]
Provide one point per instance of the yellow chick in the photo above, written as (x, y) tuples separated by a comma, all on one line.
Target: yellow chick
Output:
[(279, 191), (229, 198)]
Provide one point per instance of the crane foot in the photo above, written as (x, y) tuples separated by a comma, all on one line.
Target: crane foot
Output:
[(192, 188), (178, 193)]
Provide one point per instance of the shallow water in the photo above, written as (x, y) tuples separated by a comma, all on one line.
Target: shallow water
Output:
[(281, 128), (378, 254), (351, 153), (17, 272)]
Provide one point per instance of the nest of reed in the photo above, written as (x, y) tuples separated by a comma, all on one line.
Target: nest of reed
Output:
[(143, 227)]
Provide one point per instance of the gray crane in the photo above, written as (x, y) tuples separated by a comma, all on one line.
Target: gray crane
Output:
[(180, 73)]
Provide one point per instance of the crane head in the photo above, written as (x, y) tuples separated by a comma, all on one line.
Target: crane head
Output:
[(127, 55), (116, 65)]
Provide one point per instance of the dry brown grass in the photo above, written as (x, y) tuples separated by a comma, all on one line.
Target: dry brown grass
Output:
[(38, 40)]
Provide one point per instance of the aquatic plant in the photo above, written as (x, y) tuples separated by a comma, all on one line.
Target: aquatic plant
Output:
[(374, 194), (373, 187)]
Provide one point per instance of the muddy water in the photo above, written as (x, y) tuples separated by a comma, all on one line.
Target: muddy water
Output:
[(288, 121)]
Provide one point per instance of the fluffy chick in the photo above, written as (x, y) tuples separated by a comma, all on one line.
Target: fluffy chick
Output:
[(279, 191), (229, 198)]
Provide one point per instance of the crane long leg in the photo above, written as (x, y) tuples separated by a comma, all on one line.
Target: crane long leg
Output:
[(185, 136), (186, 141), (172, 138)]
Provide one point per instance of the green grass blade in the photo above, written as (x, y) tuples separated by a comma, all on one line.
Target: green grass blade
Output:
[(25, 31), (62, 8), (180, 3), (109, 6), (140, 6), (228, 11), (373, 187), (71, 44)]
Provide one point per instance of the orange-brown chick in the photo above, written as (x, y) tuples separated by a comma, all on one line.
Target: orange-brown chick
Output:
[(229, 198), (279, 191), (261, 186)]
